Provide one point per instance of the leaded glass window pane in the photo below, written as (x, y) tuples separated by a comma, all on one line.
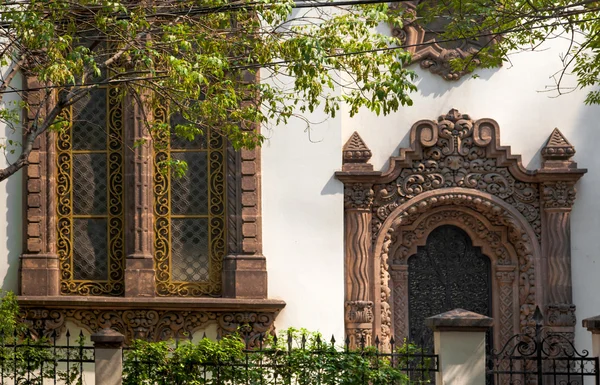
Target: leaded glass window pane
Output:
[(90, 260), (189, 194), (189, 237), (89, 184), (89, 121)]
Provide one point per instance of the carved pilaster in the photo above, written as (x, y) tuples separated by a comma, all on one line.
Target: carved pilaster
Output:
[(506, 277), (139, 269), (39, 263), (359, 306), (399, 274)]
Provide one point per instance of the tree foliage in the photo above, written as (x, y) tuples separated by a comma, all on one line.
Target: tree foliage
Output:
[(526, 25), (201, 58)]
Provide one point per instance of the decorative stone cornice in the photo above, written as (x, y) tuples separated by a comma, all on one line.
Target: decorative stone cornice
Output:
[(356, 154)]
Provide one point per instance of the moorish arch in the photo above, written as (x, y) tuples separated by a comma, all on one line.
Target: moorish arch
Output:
[(456, 173)]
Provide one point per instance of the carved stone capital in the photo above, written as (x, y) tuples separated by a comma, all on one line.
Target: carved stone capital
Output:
[(358, 196), (558, 194), (356, 155), (359, 312), (505, 277), (561, 315)]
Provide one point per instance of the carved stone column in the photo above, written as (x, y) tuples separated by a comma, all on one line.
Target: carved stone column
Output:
[(39, 263), (505, 274), (358, 199), (139, 269), (558, 197)]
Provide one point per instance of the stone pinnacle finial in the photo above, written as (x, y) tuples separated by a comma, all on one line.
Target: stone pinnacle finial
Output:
[(557, 147), (356, 155)]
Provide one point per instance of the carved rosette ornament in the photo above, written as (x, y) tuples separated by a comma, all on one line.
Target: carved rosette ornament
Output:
[(456, 173), (423, 42)]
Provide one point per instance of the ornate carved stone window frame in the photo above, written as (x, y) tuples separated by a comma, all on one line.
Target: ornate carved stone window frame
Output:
[(244, 273), (430, 54), (455, 172)]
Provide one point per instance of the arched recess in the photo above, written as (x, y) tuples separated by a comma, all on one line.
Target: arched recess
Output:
[(498, 229), (456, 172)]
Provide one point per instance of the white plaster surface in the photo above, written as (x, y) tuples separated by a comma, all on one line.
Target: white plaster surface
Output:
[(11, 212), (303, 205)]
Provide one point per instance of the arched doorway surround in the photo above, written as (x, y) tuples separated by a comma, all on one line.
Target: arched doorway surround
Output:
[(455, 172)]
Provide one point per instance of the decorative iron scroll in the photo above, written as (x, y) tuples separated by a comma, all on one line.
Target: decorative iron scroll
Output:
[(89, 187), (541, 357), (447, 273), (190, 215)]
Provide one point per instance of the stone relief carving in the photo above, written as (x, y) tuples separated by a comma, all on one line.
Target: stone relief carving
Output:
[(456, 172), (453, 153), (153, 325), (423, 42)]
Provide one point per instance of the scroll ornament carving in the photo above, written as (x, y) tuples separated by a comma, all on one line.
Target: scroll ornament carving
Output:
[(454, 154), (154, 325), (358, 196), (558, 194), (561, 315), (495, 214)]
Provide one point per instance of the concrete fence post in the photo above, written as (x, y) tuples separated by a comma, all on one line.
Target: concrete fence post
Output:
[(459, 342), (108, 355), (593, 325)]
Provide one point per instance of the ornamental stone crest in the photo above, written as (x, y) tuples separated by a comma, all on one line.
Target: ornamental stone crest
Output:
[(457, 173), (423, 42)]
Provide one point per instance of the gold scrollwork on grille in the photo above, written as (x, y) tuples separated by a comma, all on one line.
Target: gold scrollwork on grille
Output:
[(197, 226), (104, 274)]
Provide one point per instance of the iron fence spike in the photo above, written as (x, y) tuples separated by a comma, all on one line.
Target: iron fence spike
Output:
[(332, 340), (362, 342), (392, 341), (377, 340), (204, 335), (80, 333), (68, 334), (275, 339)]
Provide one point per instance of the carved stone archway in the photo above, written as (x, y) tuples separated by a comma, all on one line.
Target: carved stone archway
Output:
[(456, 172)]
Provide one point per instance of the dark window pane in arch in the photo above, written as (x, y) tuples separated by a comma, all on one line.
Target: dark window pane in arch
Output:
[(445, 274)]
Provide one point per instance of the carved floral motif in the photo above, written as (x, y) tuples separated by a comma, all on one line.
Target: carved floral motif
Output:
[(359, 311), (561, 315)]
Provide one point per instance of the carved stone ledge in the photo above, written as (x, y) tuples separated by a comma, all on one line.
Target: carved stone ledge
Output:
[(152, 319)]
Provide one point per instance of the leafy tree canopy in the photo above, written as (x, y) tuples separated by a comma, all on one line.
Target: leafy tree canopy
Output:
[(201, 59), (525, 25)]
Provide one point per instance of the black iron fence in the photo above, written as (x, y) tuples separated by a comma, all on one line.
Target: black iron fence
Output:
[(541, 358), (289, 363), (29, 361)]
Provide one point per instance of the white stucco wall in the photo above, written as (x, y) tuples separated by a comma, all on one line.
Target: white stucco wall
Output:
[(11, 212), (303, 205)]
